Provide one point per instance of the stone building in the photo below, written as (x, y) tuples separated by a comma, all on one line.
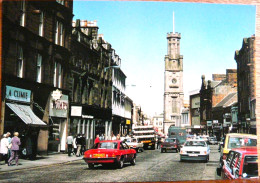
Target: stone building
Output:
[(211, 94), (35, 58), (194, 112), (90, 81), (173, 82), (245, 58)]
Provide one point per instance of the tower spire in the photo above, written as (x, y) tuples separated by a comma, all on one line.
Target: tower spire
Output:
[(173, 31)]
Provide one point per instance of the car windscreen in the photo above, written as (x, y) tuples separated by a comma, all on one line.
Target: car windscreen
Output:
[(195, 143), (107, 145), (235, 142), (250, 168), (170, 140)]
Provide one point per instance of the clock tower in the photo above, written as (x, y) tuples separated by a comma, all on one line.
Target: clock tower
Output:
[(173, 82)]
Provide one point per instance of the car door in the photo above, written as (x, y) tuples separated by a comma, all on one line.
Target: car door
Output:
[(227, 171)]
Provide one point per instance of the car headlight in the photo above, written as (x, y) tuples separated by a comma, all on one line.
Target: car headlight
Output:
[(182, 152), (205, 152), (90, 155)]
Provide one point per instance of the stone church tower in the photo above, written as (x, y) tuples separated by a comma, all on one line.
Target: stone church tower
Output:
[(173, 82)]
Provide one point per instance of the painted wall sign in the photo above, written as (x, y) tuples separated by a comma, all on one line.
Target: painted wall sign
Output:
[(87, 116), (59, 108), (76, 111), (18, 94)]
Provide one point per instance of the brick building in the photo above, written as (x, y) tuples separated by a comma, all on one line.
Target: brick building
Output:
[(211, 94), (36, 52), (245, 58)]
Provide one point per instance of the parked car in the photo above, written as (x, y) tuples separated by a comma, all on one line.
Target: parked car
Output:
[(195, 150), (170, 144), (213, 140), (236, 140), (106, 152), (241, 163), (134, 144)]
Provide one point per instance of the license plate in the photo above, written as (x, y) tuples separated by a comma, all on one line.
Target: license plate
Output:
[(98, 155), (193, 155), (150, 144)]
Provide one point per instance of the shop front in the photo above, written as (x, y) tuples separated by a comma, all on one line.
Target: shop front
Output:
[(58, 110), (18, 116), (90, 121)]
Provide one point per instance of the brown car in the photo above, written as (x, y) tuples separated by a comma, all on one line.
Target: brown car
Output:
[(170, 144)]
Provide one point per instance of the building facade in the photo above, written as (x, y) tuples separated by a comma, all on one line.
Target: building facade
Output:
[(91, 84), (245, 58), (36, 52), (173, 82)]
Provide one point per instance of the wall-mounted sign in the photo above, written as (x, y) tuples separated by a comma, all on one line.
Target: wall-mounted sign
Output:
[(87, 116), (196, 126), (128, 122), (209, 123), (76, 111), (56, 95), (59, 108), (18, 94), (215, 121)]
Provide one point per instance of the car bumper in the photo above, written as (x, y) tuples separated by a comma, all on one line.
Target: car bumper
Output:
[(192, 157), (169, 148), (100, 160)]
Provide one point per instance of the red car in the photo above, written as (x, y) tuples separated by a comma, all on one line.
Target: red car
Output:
[(107, 152), (241, 163)]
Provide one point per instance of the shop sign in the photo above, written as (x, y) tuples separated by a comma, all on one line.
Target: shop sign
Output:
[(18, 94), (215, 121), (128, 122), (87, 116), (209, 123), (56, 95), (196, 126), (76, 111), (59, 108)]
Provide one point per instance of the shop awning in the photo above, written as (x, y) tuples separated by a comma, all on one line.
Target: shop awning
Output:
[(26, 114)]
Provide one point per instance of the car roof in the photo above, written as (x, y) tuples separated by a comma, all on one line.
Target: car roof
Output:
[(196, 140), (241, 135), (111, 141), (248, 150)]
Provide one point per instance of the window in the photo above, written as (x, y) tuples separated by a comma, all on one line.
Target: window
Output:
[(20, 62), (22, 18), (57, 75), (59, 36), (41, 24), (62, 2), (39, 68), (174, 105)]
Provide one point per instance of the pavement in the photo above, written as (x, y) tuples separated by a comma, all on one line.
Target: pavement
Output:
[(46, 160)]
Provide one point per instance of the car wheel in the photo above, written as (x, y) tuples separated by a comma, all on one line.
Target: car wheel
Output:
[(90, 165), (121, 163), (207, 160), (132, 161)]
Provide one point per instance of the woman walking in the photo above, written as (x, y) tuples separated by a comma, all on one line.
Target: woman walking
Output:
[(15, 149), (4, 148)]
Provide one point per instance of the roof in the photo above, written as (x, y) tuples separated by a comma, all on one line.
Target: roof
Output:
[(226, 100), (241, 135)]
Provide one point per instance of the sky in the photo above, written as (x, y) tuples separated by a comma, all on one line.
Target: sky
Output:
[(210, 35)]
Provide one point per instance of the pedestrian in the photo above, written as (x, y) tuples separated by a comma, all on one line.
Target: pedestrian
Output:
[(70, 144), (83, 144), (102, 137), (113, 137), (8, 136), (15, 149), (78, 142), (118, 137), (97, 140), (4, 148), (75, 145)]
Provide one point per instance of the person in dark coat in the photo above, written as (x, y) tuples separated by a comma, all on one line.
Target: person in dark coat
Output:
[(78, 143)]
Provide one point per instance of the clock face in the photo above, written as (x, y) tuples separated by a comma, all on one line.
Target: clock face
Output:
[(174, 81)]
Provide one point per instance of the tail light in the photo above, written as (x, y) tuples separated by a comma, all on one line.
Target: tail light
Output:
[(175, 146)]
